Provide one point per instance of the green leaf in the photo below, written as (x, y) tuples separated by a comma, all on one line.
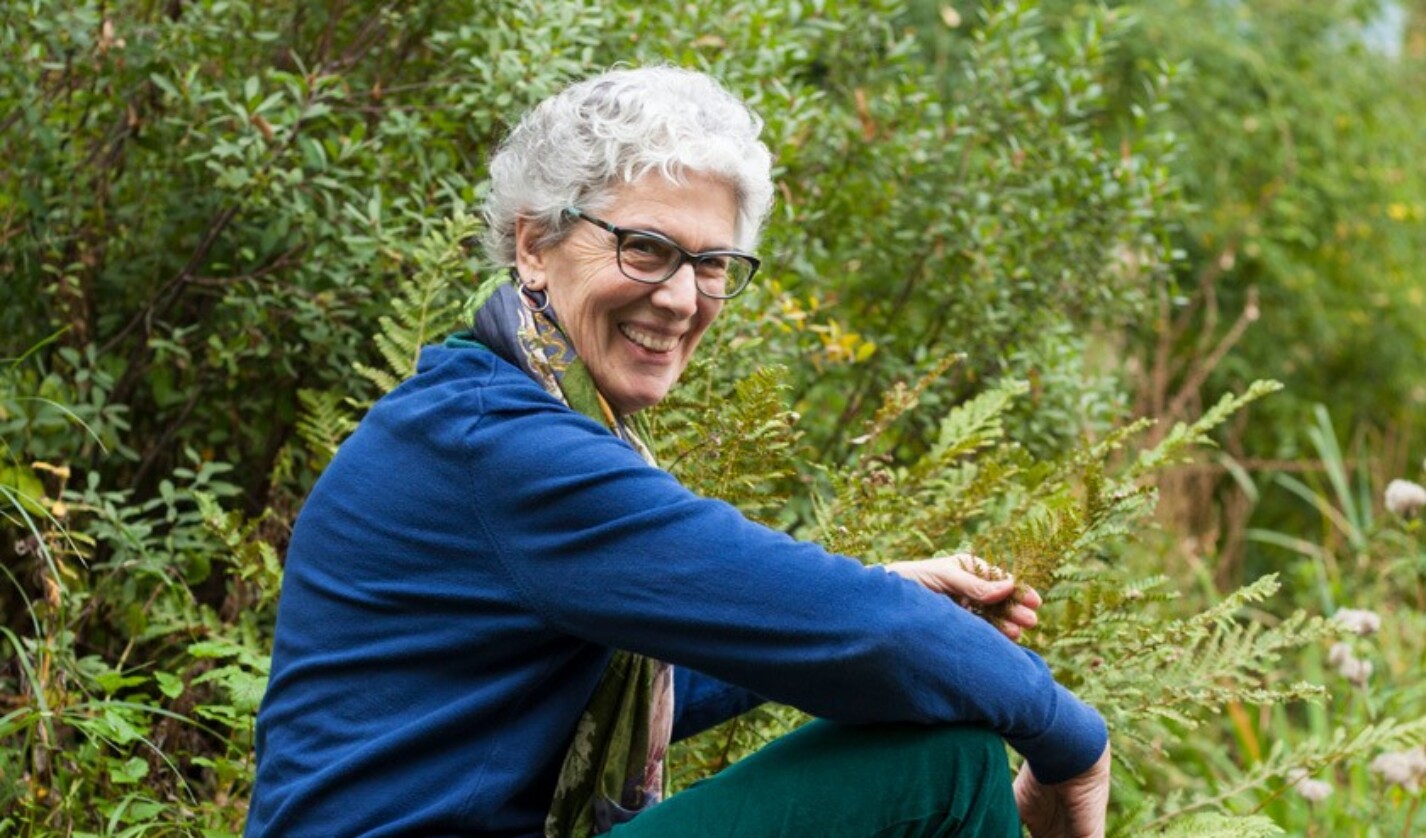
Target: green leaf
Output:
[(130, 772), (214, 649), (170, 685), (25, 487), (111, 682), (244, 689)]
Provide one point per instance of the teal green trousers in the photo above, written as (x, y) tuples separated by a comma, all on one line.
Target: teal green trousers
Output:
[(826, 780)]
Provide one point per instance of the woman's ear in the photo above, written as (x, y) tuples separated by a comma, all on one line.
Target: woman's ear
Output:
[(529, 259)]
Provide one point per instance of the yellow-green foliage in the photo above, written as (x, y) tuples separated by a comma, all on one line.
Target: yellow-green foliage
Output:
[(1218, 826), (1058, 526), (743, 451), (324, 423)]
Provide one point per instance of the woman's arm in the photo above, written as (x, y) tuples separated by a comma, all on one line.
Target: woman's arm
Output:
[(605, 548)]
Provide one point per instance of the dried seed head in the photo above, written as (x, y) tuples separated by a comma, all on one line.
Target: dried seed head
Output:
[(1314, 791), (1358, 621), (1402, 768), (1404, 497), (1340, 653), (1356, 671), (1348, 666)]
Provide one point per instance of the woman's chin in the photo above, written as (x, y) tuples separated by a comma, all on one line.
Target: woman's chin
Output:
[(632, 397)]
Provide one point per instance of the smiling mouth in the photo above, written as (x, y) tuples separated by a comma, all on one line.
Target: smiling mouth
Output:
[(648, 340)]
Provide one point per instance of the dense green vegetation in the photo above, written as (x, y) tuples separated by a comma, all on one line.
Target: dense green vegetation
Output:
[(1023, 257)]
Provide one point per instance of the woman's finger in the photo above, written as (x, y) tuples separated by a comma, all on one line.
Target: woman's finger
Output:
[(978, 590), (1030, 598), (982, 574), (1022, 616)]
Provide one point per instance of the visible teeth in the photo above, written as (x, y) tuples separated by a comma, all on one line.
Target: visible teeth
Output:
[(647, 340)]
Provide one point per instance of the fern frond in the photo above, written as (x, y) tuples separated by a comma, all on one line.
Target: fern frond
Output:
[(1219, 826), (1310, 757), (1097, 453), (425, 304), (384, 380), (899, 399), (973, 425), (324, 422), (741, 453), (1181, 670), (1182, 437), (400, 338)]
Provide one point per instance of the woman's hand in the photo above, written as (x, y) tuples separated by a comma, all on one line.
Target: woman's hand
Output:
[(951, 576), (1072, 809)]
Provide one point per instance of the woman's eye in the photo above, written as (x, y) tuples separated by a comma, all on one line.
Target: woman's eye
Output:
[(713, 265), (645, 247)]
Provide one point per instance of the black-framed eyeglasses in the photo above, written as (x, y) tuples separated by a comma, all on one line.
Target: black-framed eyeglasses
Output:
[(646, 256)]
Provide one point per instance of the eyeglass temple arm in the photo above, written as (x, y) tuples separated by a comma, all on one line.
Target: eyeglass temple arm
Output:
[(575, 212)]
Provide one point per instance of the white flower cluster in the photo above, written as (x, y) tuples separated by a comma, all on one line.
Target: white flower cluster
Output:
[(1405, 498), (1315, 791), (1402, 768), (1358, 620), (1348, 665)]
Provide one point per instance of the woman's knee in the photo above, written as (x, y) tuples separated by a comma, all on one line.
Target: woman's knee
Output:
[(978, 784), (939, 748), (971, 743), (963, 772)]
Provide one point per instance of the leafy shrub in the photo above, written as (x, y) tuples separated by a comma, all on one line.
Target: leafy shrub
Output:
[(219, 249)]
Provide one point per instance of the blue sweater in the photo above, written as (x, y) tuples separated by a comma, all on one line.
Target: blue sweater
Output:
[(461, 570)]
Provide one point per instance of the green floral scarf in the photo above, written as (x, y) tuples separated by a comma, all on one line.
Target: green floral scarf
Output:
[(614, 768)]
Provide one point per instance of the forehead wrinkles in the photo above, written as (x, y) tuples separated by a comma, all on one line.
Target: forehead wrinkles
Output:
[(696, 210)]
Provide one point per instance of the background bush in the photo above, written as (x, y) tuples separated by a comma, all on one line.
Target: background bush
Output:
[(1003, 233)]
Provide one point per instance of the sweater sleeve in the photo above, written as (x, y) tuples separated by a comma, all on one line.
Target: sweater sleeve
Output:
[(702, 701), (610, 550)]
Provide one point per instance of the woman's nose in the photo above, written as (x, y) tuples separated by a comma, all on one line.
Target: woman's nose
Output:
[(679, 293)]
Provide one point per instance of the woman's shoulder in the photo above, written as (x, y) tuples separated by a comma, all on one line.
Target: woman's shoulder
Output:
[(462, 369), (457, 360), (461, 386)]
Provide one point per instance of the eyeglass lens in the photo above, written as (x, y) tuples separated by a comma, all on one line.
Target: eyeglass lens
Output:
[(651, 259)]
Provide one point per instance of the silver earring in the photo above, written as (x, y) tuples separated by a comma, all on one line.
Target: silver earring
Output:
[(528, 294)]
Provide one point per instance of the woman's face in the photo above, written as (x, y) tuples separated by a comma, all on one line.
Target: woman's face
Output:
[(636, 339)]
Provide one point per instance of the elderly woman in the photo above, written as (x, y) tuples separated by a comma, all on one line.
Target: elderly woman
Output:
[(498, 612)]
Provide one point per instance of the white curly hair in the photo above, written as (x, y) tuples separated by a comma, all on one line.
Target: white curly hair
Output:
[(573, 148)]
